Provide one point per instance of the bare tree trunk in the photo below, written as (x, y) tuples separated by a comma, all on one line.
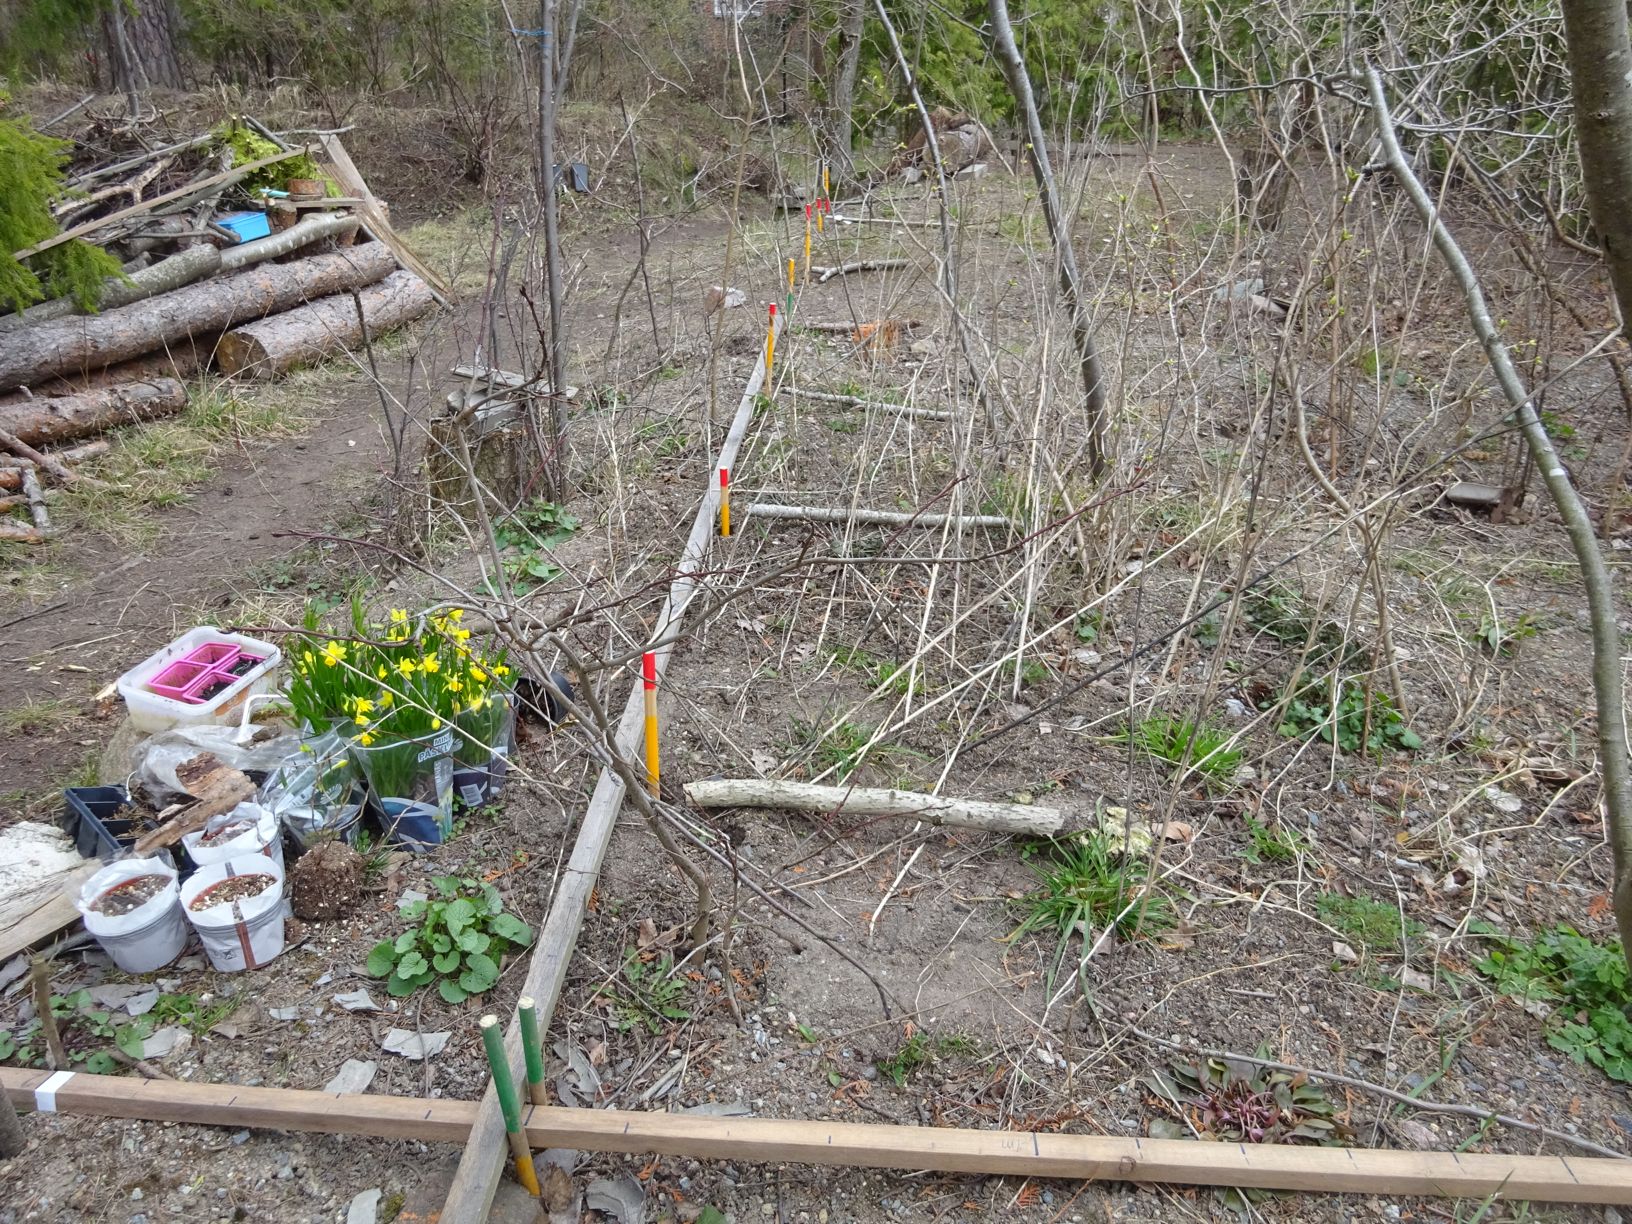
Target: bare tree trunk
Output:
[(838, 119), (1600, 56), (552, 247), (1093, 378), (1607, 678)]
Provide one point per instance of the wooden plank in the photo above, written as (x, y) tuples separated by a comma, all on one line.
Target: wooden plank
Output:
[(477, 1178), (345, 172), (224, 179), (47, 917), (1556, 1179)]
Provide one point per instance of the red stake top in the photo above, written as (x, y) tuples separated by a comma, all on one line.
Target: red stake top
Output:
[(725, 477), (773, 310), (807, 212), (648, 666)]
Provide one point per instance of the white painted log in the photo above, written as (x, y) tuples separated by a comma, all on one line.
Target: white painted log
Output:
[(876, 518), (867, 801)]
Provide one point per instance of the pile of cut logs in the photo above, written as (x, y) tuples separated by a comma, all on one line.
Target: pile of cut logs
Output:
[(193, 297)]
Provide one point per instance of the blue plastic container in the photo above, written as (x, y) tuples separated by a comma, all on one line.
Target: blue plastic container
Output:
[(247, 225), (412, 825)]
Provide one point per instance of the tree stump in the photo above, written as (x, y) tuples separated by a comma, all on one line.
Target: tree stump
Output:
[(502, 435)]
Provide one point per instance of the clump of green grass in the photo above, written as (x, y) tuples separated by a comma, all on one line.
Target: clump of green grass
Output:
[(1193, 748), (1374, 925), (1275, 843), (843, 748), (1085, 886), (879, 672)]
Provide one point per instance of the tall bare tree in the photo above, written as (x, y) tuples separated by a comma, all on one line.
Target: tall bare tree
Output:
[(1600, 55), (1082, 330), (838, 116)]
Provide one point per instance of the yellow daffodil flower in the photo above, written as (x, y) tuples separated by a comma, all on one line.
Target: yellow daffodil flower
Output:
[(477, 674), (454, 684), (405, 666), (458, 614), (436, 724), (386, 698), (334, 652), (398, 616), (499, 669), (365, 739), (380, 671), (430, 663)]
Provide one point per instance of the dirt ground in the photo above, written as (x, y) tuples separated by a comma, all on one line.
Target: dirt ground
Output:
[(1494, 819)]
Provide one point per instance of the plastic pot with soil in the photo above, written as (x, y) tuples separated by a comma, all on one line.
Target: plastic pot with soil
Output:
[(238, 909), (248, 829), (133, 909), (410, 781)]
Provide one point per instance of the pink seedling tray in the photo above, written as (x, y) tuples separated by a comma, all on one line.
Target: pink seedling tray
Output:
[(174, 681), (214, 665)]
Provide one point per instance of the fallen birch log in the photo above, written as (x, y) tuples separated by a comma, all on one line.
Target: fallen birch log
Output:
[(866, 801), (307, 333), (42, 422), (36, 501), (192, 265), (855, 401), (301, 234), (29, 354), (876, 518), (823, 275)]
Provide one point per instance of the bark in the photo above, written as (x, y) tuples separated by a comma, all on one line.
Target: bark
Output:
[(308, 333), (180, 360), (1607, 673), (46, 422), (548, 196), (1600, 58), (299, 235), (862, 801), (30, 354), (193, 264), (11, 1129), (1093, 378)]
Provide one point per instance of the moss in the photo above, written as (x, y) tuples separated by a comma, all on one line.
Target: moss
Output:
[(248, 145)]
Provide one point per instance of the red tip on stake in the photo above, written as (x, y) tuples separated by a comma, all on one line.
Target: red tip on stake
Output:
[(725, 478), (773, 310), (648, 666), (807, 212)]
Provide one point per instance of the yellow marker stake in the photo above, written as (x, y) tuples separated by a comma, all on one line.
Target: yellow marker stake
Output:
[(807, 244), (827, 187), (725, 502), (770, 349), (819, 219), (649, 679)]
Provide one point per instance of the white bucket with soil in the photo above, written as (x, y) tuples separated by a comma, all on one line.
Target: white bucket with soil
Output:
[(238, 909), (248, 829), (134, 909)]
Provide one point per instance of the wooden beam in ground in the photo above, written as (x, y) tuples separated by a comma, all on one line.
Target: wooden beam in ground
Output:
[(477, 1178), (1555, 1179)]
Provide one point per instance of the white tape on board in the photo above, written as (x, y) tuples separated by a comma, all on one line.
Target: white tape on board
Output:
[(45, 1096)]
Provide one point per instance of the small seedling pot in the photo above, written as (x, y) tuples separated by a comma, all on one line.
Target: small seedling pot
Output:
[(242, 934), (146, 938), (262, 835)]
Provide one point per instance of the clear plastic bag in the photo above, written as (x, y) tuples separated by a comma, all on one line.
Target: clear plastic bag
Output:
[(315, 791)]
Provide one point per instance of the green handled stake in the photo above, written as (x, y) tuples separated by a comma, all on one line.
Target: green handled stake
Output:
[(533, 1052), (509, 1104)]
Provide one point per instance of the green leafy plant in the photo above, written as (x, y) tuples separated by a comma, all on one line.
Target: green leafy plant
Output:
[(1209, 630), (1230, 1101), (1189, 746), (88, 1031), (1086, 884), (901, 1066), (1358, 720), (463, 934), (525, 534), (1502, 639), (646, 993), (1087, 626), (1586, 982), (1272, 843), (1372, 924)]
